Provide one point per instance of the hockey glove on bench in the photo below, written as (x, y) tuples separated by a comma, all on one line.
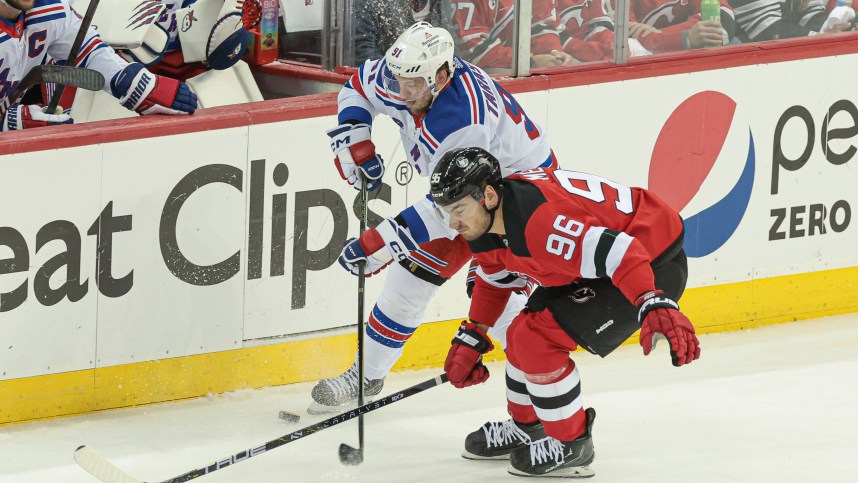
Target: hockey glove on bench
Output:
[(146, 93), (464, 364), (26, 116), (660, 317)]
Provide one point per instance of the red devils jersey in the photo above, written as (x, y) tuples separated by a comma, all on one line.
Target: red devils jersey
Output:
[(485, 30), (673, 17), (562, 226), (588, 33)]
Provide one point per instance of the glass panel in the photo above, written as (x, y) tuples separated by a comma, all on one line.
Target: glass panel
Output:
[(484, 30), (586, 28), (771, 20), (663, 26), (374, 25), (300, 30)]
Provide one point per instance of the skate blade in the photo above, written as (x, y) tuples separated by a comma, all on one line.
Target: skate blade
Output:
[(471, 456), (571, 472)]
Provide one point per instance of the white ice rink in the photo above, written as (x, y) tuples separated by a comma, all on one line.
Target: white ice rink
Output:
[(776, 404)]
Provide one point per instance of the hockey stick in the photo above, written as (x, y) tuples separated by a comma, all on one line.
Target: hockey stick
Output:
[(349, 455), (96, 465), (61, 75), (88, 79), (81, 34)]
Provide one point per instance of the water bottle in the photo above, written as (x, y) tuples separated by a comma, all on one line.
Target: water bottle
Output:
[(711, 9)]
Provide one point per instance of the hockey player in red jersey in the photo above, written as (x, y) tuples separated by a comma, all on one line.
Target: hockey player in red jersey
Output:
[(605, 259), (440, 102)]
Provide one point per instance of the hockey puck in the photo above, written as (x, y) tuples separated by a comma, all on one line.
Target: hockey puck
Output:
[(289, 417)]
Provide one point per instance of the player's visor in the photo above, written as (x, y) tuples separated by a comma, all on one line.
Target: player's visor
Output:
[(404, 88), (442, 214)]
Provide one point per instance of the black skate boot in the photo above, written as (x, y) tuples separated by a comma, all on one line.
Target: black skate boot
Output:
[(495, 440), (340, 393), (552, 458)]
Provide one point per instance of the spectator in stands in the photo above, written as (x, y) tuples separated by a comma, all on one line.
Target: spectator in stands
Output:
[(485, 33), (669, 26), (588, 29), (782, 19), (378, 23)]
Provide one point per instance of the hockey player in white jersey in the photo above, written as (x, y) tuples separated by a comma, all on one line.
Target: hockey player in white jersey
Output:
[(30, 30), (440, 102)]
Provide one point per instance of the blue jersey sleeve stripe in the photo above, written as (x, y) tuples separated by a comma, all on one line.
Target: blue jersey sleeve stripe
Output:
[(46, 18), (415, 225), (430, 148), (354, 113), (431, 257), (479, 95), (85, 61)]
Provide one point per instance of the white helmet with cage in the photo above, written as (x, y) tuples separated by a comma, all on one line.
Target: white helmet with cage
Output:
[(418, 53)]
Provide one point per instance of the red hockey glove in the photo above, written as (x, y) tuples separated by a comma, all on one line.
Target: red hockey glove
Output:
[(355, 154), (660, 318), (26, 116), (464, 364)]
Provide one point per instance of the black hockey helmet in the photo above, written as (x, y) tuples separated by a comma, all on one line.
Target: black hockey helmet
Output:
[(462, 172)]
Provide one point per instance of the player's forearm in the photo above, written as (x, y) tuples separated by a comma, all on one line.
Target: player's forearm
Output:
[(487, 303), (634, 277), (107, 62), (353, 101), (666, 41)]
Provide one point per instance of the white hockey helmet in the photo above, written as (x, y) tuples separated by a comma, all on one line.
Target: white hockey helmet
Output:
[(419, 52)]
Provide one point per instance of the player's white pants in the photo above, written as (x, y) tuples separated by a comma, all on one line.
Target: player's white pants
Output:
[(400, 310)]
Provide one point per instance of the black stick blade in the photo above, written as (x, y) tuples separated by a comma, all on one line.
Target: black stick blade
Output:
[(350, 456), (88, 79)]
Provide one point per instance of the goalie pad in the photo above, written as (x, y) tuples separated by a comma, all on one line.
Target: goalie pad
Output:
[(223, 87), (211, 31), (139, 38)]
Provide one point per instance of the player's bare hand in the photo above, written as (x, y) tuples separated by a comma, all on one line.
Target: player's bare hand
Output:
[(707, 33), (564, 58), (836, 28), (641, 30), (542, 61)]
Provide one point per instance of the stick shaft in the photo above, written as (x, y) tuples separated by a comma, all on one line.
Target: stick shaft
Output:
[(360, 328), (112, 474), (72, 59)]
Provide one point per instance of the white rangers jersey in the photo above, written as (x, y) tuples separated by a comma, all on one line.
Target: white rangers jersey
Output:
[(472, 111), (49, 29)]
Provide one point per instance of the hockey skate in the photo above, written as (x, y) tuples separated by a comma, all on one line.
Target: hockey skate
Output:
[(552, 458), (340, 393), (496, 440)]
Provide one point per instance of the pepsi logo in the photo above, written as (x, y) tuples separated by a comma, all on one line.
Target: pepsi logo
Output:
[(699, 147)]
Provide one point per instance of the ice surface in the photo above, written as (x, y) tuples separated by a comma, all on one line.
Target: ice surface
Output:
[(771, 404)]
